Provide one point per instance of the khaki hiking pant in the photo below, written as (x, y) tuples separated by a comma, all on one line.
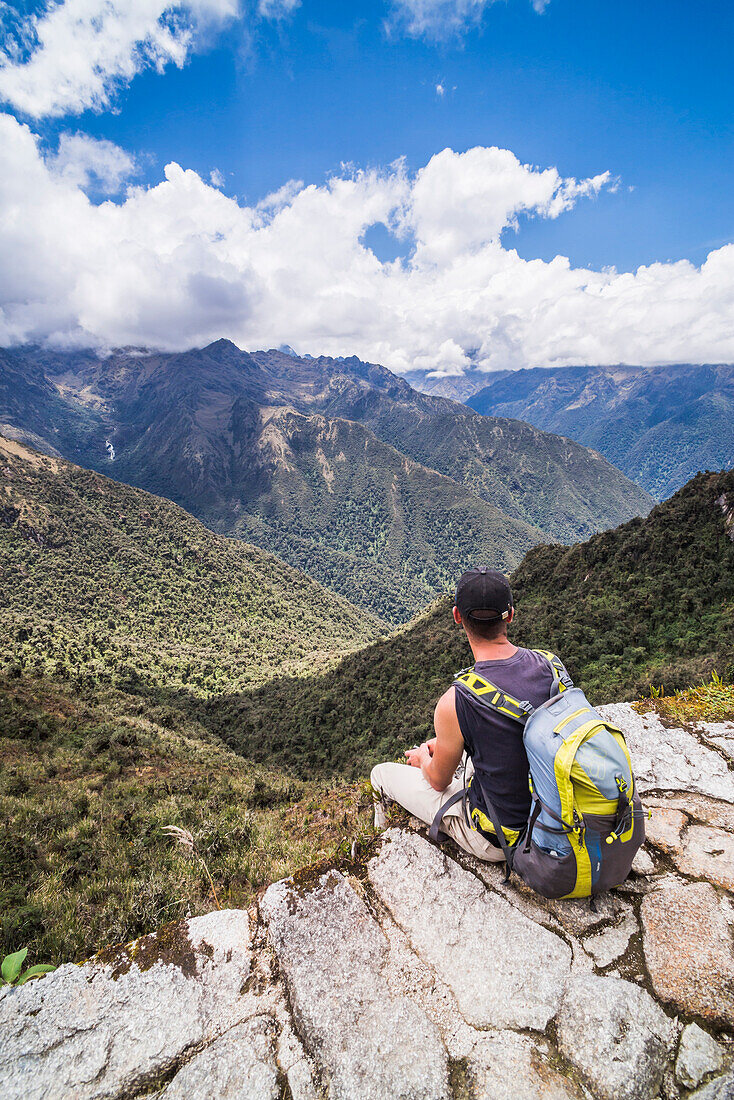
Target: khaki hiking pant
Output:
[(406, 785)]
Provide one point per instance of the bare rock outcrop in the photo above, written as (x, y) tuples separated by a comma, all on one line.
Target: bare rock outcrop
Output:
[(420, 973)]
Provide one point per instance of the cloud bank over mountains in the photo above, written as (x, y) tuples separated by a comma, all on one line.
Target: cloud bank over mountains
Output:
[(181, 263)]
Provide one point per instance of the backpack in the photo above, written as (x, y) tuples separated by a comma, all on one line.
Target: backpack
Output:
[(586, 822)]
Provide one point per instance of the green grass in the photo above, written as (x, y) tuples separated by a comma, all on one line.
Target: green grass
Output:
[(87, 786), (710, 701)]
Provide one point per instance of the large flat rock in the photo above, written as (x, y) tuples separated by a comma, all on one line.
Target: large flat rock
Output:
[(503, 969), (708, 853), (239, 1065), (508, 1066), (105, 1028), (688, 949), (617, 1035), (718, 734), (368, 1042), (670, 758)]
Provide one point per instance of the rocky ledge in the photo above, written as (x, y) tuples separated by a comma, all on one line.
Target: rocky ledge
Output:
[(421, 974)]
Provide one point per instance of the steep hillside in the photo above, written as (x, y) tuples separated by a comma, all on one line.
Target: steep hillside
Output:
[(549, 482), (89, 778), (257, 445), (108, 584), (651, 602), (659, 425)]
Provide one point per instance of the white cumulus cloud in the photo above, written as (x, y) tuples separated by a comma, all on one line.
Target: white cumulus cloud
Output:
[(76, 53), (91, 162), (440, 19), (180, 264)]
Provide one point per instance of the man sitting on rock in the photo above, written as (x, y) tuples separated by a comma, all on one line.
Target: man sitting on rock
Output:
[(492, 742)]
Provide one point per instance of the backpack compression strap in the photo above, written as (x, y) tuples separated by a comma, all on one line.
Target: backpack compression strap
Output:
[(561, 679), (489, 695)]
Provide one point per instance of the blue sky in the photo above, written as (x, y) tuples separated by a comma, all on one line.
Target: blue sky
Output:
[(642, 89), (269, 91)]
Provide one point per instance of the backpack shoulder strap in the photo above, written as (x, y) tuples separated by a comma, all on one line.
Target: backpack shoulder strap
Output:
[(492, 697), (561, 679)]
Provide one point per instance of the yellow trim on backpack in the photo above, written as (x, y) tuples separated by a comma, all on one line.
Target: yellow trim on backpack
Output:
[(589, 798), (482, 822), (564, 762), (569, 718), (556, 664), (582, 886)]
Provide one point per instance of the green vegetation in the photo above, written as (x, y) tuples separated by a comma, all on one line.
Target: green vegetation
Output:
[(651, 602), (108, 585), (710, 701), (12, 973), (88, 783)]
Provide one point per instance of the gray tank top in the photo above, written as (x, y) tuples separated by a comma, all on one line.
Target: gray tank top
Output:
[(494, 741)]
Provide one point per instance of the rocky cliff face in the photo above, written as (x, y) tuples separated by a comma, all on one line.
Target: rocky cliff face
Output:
[(420, 974)]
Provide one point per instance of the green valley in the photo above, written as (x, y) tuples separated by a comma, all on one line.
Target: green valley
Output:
[(338, 466), (649, 604)]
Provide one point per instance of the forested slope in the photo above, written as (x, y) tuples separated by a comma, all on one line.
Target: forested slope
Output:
[(649, 603), (107, 584), (660, 425)]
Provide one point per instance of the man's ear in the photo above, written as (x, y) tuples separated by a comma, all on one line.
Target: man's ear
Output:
[(457, 617), (511, 616)]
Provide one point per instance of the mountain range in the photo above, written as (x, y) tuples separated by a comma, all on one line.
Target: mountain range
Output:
[(660, 425), (339, 467)]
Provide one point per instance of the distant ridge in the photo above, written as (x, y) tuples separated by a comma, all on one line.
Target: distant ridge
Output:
[(660, 425)]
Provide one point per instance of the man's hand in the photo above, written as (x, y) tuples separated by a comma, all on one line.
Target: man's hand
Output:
[(422, 755)]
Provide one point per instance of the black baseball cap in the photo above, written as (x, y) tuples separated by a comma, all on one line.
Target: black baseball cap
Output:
[(482, 590)]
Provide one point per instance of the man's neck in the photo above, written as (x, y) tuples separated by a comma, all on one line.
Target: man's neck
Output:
[(497, 650)]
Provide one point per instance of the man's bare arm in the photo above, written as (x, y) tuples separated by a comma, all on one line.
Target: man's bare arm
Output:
[(439, 758)]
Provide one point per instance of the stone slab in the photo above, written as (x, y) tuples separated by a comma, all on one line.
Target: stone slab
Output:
[(688, 949), (664, 828), (508, 1066), (698, 1055), (503, 969), (718, 734), (707, 811), (572, 915), (670, 758), (361, 1036), (708, 853), (239, 1065), (721, 1088), (617, 1036), (605, 947), (102, 1029)]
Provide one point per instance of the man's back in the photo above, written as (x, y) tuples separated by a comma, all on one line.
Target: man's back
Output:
[(495, 742)]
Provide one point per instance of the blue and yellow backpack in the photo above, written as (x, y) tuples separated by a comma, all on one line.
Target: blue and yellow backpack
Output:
[(586, 822)]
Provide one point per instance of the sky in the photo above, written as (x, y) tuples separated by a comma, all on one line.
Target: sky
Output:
[(430, 184)]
